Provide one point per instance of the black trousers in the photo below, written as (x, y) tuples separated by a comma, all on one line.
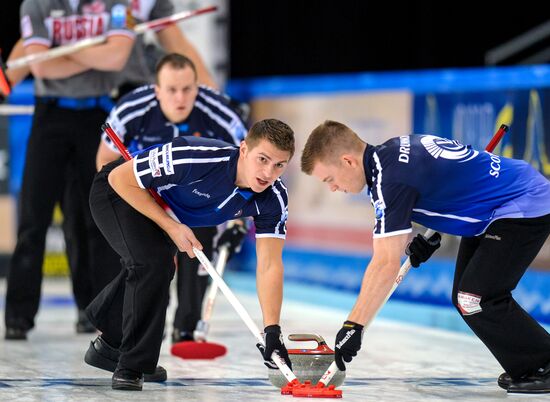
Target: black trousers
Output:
[(488, 268), (60, 139), (76, 242), (131, 310), (191, 285), (87, 279)]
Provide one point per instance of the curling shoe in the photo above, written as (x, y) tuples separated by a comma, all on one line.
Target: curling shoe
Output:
[(504, 380), (16, 334), (536, 383), (127, 380), (103, 356)]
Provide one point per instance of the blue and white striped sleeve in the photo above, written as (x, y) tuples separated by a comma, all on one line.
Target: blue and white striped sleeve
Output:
[(120, 129), (163, 165), (127, 115), (217, 108), (272, 212), (393, 206), (392, 201)]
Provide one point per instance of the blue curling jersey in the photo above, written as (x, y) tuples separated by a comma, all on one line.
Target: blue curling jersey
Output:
[(139, 122), (448, 187), (196, 177)]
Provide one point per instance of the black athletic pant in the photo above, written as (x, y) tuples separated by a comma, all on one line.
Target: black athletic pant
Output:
[(60, 139), (87, 280), (76, 243), (489, 267), (191, 286), (131, 310)]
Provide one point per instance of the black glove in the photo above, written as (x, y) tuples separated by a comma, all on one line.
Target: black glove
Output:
[(273, 340), (233, 238), (421, 249), (348, 343)]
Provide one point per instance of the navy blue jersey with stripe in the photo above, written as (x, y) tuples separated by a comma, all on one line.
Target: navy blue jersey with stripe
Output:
[(449, 187), (139, 122), (196, 177)]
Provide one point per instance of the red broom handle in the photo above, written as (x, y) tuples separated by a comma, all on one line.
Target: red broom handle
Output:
[(127, 156)]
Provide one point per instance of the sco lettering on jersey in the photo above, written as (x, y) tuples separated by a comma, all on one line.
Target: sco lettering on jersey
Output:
[(495, 166)]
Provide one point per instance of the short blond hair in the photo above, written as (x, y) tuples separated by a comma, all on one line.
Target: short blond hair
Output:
[(327, 142)]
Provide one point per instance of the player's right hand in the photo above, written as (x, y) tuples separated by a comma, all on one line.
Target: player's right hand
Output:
[(184, 239), (273, 340), (348, 343)]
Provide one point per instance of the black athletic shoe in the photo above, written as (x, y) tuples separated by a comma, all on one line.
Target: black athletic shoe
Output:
[(103, 356), (16, 334), (160, 375), (127, 380), (504, 380), (536, 383)]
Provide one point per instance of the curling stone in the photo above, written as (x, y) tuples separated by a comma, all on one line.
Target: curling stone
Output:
[(308, 364)]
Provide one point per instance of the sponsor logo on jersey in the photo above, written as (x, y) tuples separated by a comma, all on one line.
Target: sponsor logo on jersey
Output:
[(379, 208), (469, 303), (493, 237), (154, 163), (447, 149), (153, 139), (206, 195), (167, 158), (118, 16), (238, 213)]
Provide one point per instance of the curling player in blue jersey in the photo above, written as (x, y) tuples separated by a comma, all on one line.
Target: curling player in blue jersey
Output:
[(205, 182), (500, 207)]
